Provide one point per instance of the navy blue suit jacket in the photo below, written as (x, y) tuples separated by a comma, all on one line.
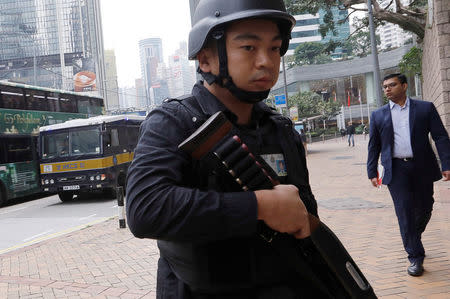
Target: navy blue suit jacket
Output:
[(423, 119)]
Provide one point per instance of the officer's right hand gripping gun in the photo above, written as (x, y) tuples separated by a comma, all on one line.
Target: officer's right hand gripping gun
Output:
[(321, 258)]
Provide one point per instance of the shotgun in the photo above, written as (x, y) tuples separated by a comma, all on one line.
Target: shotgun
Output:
[(321, 258)]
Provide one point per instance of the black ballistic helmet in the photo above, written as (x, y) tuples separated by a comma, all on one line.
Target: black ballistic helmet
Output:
[(210, 14), (210, 20)]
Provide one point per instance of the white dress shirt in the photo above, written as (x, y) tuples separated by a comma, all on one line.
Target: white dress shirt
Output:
[(402, 135)]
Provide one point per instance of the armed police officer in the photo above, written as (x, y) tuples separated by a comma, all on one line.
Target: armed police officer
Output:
[(206, 226)]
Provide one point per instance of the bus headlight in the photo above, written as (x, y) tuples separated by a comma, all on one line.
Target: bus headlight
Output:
[(52, 181), (46, 182), (42, 181), (97, 177), (103, 176), (91, 178)]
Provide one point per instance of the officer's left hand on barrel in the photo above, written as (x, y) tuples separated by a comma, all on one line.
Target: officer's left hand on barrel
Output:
[(282, 210)]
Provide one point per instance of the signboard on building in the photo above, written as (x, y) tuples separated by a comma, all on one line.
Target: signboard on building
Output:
[(293, 113), (84, 74)]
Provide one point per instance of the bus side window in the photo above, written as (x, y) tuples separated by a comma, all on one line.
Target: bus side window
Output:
[(9, 101), (114, 137), (68, 104), (36, 101), (19, 150)]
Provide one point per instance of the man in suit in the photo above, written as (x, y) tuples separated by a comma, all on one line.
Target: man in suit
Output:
[(399, 132)]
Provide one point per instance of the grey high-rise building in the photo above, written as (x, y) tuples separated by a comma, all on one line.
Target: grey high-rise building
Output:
[(151, 54), (111, 83), (52, 43)]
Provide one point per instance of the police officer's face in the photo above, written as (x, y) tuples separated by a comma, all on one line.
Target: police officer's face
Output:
[(253, 49)]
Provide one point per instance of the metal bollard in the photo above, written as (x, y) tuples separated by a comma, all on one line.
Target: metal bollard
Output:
[(120, 204)]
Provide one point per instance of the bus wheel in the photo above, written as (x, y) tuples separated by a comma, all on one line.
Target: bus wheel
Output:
[(2, 197), (65, 196)]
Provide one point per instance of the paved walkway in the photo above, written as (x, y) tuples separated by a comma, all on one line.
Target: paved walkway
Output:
[(103, 261)]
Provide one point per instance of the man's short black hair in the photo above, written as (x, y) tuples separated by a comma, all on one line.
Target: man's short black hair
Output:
[(401, 77)]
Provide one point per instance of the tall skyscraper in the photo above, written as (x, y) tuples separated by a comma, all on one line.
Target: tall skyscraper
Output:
[(111, 84), (141, 95), (127, 97), (52, 43), (391, 35), (151, 55), (180, 73)]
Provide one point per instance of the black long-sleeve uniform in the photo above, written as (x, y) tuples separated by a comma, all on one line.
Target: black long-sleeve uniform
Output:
[(206, 229)]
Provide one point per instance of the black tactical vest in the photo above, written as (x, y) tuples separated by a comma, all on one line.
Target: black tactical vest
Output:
[(239, 263)]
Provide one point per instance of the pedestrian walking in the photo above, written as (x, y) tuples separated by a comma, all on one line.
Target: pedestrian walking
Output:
[(343, 132), (365, 131), (351, 134), (399, 132), (205, 224), (304, 141)]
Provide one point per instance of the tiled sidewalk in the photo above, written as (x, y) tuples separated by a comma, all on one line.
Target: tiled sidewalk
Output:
[(103, 261), (369, 228)]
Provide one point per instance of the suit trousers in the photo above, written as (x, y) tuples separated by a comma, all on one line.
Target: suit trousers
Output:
[(412, 194)]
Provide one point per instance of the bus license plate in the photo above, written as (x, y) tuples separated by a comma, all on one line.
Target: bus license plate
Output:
[(74, 187)]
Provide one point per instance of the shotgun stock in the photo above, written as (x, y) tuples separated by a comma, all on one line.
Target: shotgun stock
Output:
[(333, 267)]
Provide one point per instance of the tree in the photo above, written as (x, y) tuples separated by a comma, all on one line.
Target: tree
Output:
[(307, 53), (411, 63), (328, 109), (305, 102), (358, 43), (410, 17), (310, 104)]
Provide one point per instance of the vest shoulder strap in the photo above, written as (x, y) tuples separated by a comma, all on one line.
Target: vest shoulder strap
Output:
[(191, 104)]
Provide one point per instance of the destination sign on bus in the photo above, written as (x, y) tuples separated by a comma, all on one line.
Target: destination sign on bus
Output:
[(23, 122)]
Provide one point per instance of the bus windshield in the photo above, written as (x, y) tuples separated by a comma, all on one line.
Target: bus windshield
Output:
[(72, 143)]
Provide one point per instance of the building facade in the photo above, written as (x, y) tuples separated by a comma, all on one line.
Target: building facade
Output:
[(391, 35), (151, 56), (141, 95), (111, 83), (350, 82), (307, 29), (127, 98), (53, 43), (436, 61), (180, 73)]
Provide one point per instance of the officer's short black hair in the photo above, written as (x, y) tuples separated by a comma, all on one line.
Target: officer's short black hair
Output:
[(401, 77)]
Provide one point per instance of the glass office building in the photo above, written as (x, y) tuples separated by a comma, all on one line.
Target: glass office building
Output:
[(307, 30), (52, 43)]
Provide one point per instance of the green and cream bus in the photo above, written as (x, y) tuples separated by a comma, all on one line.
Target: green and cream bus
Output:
[(23, 109), (87, 156)]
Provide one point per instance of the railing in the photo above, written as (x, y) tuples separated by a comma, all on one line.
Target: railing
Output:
[(322, 137), (330, 136)]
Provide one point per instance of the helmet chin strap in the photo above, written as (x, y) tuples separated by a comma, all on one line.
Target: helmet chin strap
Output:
[(224, 79)]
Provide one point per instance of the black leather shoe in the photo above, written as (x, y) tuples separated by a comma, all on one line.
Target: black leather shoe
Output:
[(415, 269)]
